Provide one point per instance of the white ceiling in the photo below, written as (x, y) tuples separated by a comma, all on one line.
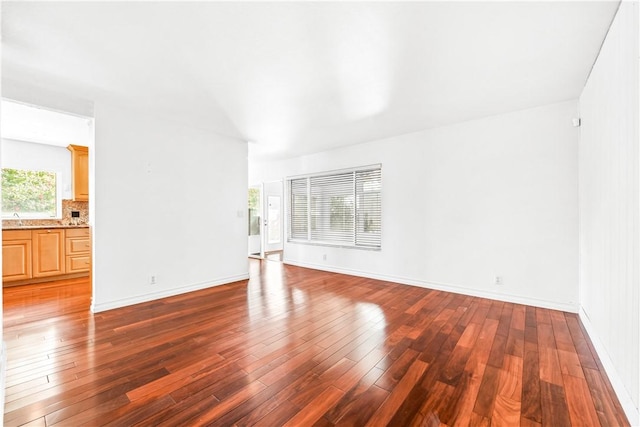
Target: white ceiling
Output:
[(27, 123), (301, 77)]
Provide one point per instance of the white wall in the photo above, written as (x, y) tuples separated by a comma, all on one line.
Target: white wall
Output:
[(29, 155), (465, 203), (170, 201), (609, 214)]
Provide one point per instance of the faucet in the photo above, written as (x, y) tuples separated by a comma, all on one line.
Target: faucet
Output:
[(19, 220)]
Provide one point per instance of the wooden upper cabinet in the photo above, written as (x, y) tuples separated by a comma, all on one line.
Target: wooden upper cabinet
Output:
[(16, 255), (48, 252), (80, 172)]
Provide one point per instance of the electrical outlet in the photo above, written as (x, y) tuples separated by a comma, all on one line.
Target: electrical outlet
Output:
[(324, 257), (152, 280), (499, 281)]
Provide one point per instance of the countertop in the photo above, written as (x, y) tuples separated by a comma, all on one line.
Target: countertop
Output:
[(40, 227)]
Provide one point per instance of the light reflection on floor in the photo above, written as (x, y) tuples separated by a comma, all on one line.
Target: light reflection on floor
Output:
[(273, 294)]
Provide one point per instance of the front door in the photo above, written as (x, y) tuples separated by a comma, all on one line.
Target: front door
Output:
[(255, 221), (272, 215)]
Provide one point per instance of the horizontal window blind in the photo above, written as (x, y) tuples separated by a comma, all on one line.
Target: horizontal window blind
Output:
[(342, 208), (369, 208), (332, 208), (298, 209)]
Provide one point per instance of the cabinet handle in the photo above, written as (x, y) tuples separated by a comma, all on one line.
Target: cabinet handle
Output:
[(48, 231)]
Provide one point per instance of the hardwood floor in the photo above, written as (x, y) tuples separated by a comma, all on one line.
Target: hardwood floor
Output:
[(298, 347)]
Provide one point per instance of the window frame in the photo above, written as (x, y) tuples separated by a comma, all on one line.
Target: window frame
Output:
[(357, 211), (59, 196)]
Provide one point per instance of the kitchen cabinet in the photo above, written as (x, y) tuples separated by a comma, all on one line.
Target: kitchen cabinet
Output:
[(43, 254), (78, 250), (79, 172), (48, 252), (16, 255)]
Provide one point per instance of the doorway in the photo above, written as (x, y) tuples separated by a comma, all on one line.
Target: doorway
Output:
[(254, 226), (266, 220), (45, 218)]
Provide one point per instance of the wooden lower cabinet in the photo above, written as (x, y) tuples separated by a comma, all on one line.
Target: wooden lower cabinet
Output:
[(78, 250), (48, 252), (16, 255), (39, 255)]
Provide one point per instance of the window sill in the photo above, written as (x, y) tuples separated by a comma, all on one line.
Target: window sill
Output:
[(335, 245)]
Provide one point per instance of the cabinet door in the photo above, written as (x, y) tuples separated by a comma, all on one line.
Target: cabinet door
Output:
[(16, 260), (80, 172), (48, 252)]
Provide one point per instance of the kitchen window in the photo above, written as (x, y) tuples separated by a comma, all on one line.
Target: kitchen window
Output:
[(340, 208), (30, 194)]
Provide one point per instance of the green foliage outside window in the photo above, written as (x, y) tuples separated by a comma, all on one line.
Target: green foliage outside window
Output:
[(341, 213), (28, 193), (254, 211)]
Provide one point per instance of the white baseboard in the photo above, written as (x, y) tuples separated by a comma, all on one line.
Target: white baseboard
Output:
[(630, 409), (110, 305), (553, 305)]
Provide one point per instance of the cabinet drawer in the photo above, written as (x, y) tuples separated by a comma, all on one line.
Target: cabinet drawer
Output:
[(78, 263), (78, 232), (78, 245), (16, 235)]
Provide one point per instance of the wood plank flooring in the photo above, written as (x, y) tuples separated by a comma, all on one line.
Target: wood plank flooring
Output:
[(298, 347)]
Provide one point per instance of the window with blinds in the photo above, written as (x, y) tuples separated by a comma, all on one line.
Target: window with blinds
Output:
[(340, 208)]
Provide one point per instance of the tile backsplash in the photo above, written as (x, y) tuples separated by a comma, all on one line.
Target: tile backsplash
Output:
[(70, 205), (67, 207)]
